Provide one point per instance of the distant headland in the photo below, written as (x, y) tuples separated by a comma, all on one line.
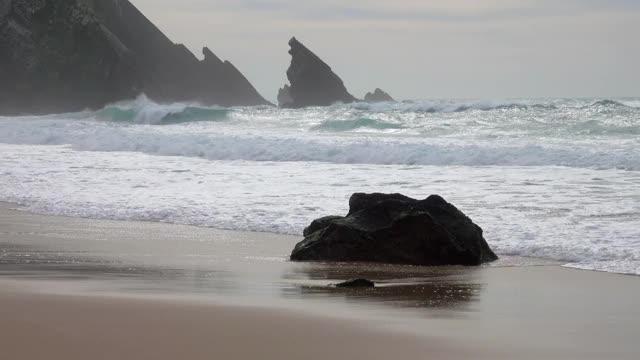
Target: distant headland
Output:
[(66, 56), (61, 56)]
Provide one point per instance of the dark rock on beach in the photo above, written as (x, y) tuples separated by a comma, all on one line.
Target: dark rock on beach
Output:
[(69, 55), (378, 96), (396, 229), (313, 83), (356, 283)]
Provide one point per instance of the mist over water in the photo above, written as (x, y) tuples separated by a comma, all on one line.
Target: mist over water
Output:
[(551, 178)]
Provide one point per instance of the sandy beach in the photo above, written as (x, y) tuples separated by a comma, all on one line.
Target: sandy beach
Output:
[(330, 180), (37, 326), (77, 289)]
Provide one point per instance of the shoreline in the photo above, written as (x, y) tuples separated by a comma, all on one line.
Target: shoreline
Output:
[(9, 206), (78, 284)]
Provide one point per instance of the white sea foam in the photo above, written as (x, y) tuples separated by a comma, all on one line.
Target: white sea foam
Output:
[(555, 179), (445, 107), (588, 218), (302, 147)]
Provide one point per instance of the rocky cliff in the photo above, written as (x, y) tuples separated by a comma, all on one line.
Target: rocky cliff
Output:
[(313, 83), (68, 55)]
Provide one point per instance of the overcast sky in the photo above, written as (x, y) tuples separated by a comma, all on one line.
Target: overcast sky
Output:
[(414, 49)]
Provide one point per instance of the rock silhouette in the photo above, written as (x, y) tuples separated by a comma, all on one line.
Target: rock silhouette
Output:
[(69, 55), (313, 83), (378, 96), (395, 229)]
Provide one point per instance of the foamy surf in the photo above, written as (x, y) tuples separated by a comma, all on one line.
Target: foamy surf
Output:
[(556, 179)]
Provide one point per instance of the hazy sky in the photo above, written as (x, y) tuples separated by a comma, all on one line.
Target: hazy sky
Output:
[(424, 49)]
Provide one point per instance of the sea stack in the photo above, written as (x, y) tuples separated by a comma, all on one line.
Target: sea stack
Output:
[(62, 56), (378, 96), (313, 83)]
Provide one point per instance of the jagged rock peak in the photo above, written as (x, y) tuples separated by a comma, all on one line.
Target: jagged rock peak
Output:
[(297, 49), (378, 96), (313, 83)]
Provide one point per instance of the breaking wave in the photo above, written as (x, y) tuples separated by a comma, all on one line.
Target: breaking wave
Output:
[(450, 107), (572, 208), (170, 117), (570, 137), (348, 125), (340, 151), (456, 107), (608, 103), (144, 111), (598, 128)]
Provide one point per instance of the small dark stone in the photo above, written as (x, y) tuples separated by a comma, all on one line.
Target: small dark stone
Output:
[(396, 229), (357, 283), (313, 83)]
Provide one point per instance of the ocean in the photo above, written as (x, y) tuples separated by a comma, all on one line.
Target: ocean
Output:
[(557, 179)]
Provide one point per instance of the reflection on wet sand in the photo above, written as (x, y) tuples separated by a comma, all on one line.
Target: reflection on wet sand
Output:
[(398, 286), (110, 273), (502, 306), (150, 259)]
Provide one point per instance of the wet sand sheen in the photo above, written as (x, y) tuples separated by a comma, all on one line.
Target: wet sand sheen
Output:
[(76, 327), (113, 289)]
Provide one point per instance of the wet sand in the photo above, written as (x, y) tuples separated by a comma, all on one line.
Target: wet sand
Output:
[(37, 326), (79, 289)]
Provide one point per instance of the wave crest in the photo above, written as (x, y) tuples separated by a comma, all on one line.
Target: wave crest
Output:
[(449, 107), (348, 125), (608, 103), (340, 151), (144, 111)]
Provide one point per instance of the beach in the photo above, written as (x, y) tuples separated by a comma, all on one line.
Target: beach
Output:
[(78, 288), (39, 326), (169, 191)]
